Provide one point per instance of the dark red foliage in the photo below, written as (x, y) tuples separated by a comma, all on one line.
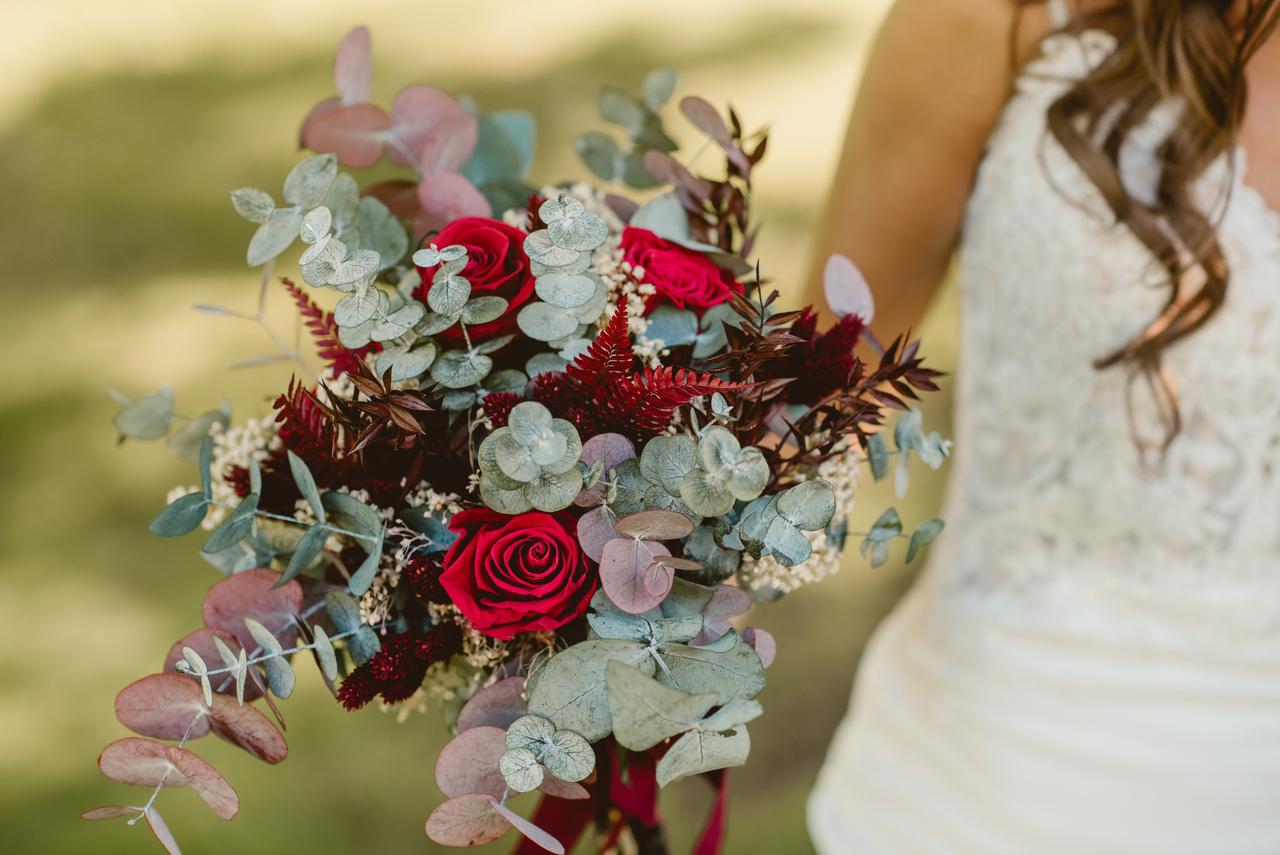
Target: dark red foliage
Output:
[(422, 576), (819, 363), (498, 405), (325, 332), (397, 670), (600, 390)]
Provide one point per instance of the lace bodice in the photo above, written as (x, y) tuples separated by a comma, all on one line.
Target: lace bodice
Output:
[(1049, 486)]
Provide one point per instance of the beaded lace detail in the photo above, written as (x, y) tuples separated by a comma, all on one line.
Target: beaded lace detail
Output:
[(1050, 487)]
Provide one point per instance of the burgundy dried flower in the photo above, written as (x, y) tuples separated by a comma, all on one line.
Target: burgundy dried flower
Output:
[(397, 670)]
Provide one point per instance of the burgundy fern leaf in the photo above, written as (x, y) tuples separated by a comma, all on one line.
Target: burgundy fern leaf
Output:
[(608, 358), (642, 404), (325, 333)]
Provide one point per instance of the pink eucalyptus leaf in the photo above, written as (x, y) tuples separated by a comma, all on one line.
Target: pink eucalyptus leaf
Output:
[(728, 601), (141, 762), (445, 197), (613, 449), (763, 643), (400, 195), (469, 763), (846, 289), (205, 780), (559, 789), (354, 132), (495, 706), (624, 573), (250, 594), (465, 821), (706, 118), (166, 706), (244, 725), (305, 130), (157, 825), (201, 641), (655, 525), (528, 829), (353, 66), (415, 111), (449, 144), (110, 812), (595, 529), (659, 578)]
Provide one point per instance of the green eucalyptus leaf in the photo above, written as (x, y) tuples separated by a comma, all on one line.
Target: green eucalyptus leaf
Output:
[(348, 512), (148, 417), (673, 327), (541, 363), (600, 153), (181, 516), (658, 86), (666, 460), (551, 492), (809, 505), (483, 310), (357, 307), (274, 236), (545, 322), (705, 494), (786, 543), (569, 757), (234, 528), (629, 491), (734, 673), (309, 181), (732, 715), (520, 770), (253, 204), (308, 549), (449, 295), (531, 732), (457, 369), (878, 456), (398, 322), (406, 363), (185, 442), (325, 656), (280, 676), (644, 712), (923, 536), (362, 579), (570, 687), (381, 232), (566, 290), (502, 500), (433, 323), (703, 751), (306, 484), (717, 562)]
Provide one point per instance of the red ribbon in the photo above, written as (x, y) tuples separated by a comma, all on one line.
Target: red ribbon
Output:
[(620, 797)]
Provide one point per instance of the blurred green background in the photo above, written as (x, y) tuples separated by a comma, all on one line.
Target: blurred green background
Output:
[(122, 128)]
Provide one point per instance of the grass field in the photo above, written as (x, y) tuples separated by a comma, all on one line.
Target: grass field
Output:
[(122, 127)]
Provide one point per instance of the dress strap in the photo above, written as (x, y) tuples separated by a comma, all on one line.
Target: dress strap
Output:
[(1059, 13)]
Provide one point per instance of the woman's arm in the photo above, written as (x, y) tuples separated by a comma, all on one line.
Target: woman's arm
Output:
[(935, 85)]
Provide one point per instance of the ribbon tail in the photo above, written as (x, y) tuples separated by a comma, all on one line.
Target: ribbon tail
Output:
[(711, 840)]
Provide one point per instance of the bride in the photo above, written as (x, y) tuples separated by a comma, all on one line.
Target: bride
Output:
[(1091, 664)]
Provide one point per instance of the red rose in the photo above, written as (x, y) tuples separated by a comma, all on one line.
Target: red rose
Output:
[(682, 277), (517, 574), (496, 266)]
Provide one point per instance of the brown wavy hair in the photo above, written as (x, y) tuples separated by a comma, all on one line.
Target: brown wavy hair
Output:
[(1195, 51)]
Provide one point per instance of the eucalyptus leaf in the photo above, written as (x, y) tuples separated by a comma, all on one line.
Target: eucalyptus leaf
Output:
[(569, 757), (274, 236), (381, 232), (545, 322), (672, 326), (306, 484), (309, 181), (570, 687), (520, 770), (308, 549), (357, 307), (809, 505), (346, 511), (483, 310), (181, 516), (457, 369), (566, 290), (600, 153), (235, 527), (923, 536), (148, 417), (658, 86), (185, 442), (252, 204), (449, 295), (398, 322), (733, 673), (362, 579), (644, 712), (703, 751), (325, 655)]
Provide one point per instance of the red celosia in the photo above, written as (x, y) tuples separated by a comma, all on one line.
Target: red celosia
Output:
[(823, 362), (422, 576), (397, 670), (498, 405)]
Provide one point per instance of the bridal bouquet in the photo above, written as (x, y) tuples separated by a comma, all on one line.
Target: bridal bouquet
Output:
[(560, 440)]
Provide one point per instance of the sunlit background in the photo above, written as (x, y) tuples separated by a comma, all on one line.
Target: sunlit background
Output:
[(122, 128)]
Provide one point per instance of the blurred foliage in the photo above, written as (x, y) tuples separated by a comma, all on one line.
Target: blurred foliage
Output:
[(118, 221)]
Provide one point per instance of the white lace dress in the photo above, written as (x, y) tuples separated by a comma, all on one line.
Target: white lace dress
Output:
[(1091, 662)]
